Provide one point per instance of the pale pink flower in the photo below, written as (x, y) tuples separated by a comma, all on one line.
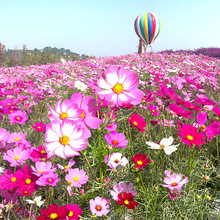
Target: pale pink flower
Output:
[(64, 139), (17, 137), (116, 139), (76, 177), (42, 168), (88, 116), (16, 156), (66, 109), (67, 168), (122, 187), (99, 206), (120, 88), (115, 160), (4, 135)]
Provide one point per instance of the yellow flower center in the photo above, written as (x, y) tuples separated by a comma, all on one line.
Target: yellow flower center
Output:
[(43, 159), (115, 142), (25, 192), (118, 88), (76, 178), (126, 202), (98, 208), (39, 127), (161, 146), (152, 110), (174, 184), (43, 152), (63, 115), (64, 140), (50, 180), (13, 179), (116, 160), (9, 104), (82, 115), (41, 171), (16, 158), (17, 139), (189, 137), (53, 216), (21, 99), (139, 162), (71, 213), (28, 181), (18, 118), (202, 128), (69, 183), (135, 123)]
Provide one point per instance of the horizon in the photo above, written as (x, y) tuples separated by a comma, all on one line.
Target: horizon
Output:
[(107, 29)]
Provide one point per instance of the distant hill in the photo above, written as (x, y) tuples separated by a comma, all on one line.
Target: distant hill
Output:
[(26, 57)]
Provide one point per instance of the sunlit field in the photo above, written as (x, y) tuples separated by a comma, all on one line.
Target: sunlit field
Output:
[(128, 137)]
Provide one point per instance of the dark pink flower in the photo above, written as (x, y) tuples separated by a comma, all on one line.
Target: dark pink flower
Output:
[(137, 121), (179, 110), (204, 101), (116, 139), (39, 127)]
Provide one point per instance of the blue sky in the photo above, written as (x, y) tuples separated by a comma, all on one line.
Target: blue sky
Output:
[(106, 28)]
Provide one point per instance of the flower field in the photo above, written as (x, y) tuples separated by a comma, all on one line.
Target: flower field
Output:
[(128, 137)]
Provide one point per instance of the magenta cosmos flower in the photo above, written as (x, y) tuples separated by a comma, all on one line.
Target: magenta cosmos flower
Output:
[(16, 156), (120, 88), (74, 211), (88, 113), (190, 135), (18, 117), (76, 177), (99, 206), (116, 140), (39, 127), (64, 139), (48, 179), (137, 121)]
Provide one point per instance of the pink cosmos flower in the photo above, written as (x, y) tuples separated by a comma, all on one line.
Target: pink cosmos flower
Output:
[(17, 137), (192, 106), (67, 168), (9, 194), (48, 179), (116, 140), (42, 168), (88, 113), (76, 177), (4, 147), (190, 135), (175, 182), (39, 127), (120, 88), (16, 156), (211, 130), (154, 110), (38, 154), (99, 206), (74, 211), (168, 123), (115, 160), (66, 109), (137, 121), (64, 139), (122, 187), (18, 117), (4, 135)]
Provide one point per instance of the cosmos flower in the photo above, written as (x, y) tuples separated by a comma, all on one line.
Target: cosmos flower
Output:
[(67, 168), (116, 160), (165, 144), (18, 117), (120, 88), (140, 160), (64, 139), (48, 179), (99, 206), (74, 211), (76, 177), (190, 135), (37, 201), (39, 127), (116, 140), (127, 200), (137, 121)]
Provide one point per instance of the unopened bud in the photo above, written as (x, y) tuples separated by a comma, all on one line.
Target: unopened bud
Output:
[(137, 179), (206, 166), (156, 188), (198, 197), (208, 197), (206, 177), (109, 147)]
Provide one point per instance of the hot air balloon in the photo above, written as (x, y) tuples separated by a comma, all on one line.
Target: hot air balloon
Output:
[(147, 26)]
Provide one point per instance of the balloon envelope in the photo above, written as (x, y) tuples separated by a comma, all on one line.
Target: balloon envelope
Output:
[(147, 26)]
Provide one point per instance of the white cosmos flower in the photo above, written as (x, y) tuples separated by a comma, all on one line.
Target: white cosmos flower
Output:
[(37, 201), (80, 85), (165, 144)]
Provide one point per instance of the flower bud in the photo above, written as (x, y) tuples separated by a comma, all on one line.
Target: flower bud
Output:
[(137, 179), (198, 197), (109, 147), (208, 197), (206, 177), (206, 166), (156, 188)]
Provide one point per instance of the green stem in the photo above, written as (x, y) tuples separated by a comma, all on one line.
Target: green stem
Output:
[(161, 158), (2, 120), (91, 167)]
